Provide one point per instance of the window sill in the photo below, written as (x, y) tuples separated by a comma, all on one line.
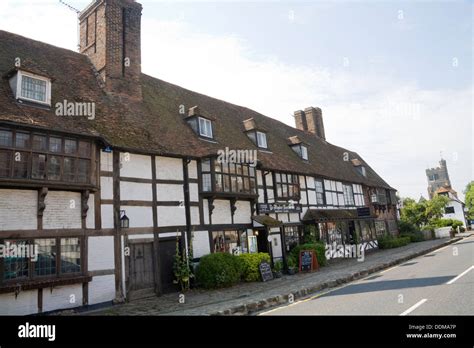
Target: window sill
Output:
[(28, 284)]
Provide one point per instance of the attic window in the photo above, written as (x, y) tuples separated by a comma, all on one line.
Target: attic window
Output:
[(361, 170), (205, 127), (262, 140), (30, 87), (301, 150)]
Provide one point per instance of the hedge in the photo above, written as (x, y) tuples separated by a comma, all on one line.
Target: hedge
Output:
[(414, 237), (391, 242), (318, 248), (250, 263), (218, 270)]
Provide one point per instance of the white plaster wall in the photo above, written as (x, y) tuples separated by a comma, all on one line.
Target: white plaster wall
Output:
[(169, 168), (102, 289), (138, 166), (62, 297), (133, 191), (139, 216), (283, 217), (171, 216), (18, 209), (192, 170), (170, 234), (101, 253), (259, 177), (201, 243), (261, 196), (221, 213), (106, 162), (270, 195), (141, 236), (243, 213), (194, 215), (458, 212), (63, 210), (107, 211), (205, 210), (90, 219), (193, 192), (106, 187), (294, 217), (302, 182), (170, 192), (26, 303)]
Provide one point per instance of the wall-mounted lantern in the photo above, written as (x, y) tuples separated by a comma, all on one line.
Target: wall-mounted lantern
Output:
[(124, 220)]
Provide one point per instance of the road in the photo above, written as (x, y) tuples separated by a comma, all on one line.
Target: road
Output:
[(438, 283)]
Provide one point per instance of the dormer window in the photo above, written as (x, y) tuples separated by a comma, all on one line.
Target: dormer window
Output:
[(205, 127), (262, 140), (30, 87), (201, 125), (360, 168), (299, 147)]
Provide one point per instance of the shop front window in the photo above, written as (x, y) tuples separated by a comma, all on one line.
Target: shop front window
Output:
[(380, 228), (233, 242)]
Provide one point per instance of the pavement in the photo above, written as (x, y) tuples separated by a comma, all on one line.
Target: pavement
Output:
[(438, 283), (253, 298)]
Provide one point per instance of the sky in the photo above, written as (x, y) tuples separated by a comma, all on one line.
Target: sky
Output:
[(394, 79)]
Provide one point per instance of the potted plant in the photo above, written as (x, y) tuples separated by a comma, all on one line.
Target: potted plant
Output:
[(291, 265), (277, 269)]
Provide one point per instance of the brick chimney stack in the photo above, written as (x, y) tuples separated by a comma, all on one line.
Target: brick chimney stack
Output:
[(310, 120), (110, 37)]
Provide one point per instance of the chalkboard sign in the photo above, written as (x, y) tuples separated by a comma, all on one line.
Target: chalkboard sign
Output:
[(265, 271), (308, 261)]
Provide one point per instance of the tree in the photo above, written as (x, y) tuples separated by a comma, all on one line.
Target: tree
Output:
[(421, 213), (469, 198)]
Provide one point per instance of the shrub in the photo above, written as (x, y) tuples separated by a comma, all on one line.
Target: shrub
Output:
[(249, 263), (462, 229), (218, 270), (278, 266), (318, 248), (446, 223), (406, 227), (389, 242), (414, 237)]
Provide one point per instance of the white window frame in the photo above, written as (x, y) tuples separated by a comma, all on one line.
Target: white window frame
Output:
[(304, 152), (208, 126), (18, 94), (262, 136)]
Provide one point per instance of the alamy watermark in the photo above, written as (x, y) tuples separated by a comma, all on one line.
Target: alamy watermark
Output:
[(355, 251), (29, 251), (237, 156), (67, 108)]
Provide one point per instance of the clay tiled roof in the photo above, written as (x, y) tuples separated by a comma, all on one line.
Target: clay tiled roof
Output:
[(155, 125)]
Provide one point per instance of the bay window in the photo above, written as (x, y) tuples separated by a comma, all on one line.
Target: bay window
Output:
[(334, 193), (287, 186), (229, 177), (25, 155)]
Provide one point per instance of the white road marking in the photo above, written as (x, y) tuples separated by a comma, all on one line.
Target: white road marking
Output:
[(415, 306), (459, 276)]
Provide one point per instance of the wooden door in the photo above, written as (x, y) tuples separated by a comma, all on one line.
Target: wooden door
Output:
[(141, 266)]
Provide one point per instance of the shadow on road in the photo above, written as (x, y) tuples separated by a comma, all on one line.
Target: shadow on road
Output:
[(390, 285)]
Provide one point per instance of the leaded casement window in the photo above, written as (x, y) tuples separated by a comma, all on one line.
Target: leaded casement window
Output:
[(205, 127), (292, 237), (230, 241), (31, 88), (348, 195), (41, 258), (287, 186), (238, 178), (380, 228), (381, 196), (366, 230), (334, 193), (36, 156), (358, 195), (262, 140), (319, 192)]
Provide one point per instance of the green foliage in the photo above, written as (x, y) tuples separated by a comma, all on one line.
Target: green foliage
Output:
[(414, 237), (421, 213), (250, 262), (437, 223), (278, 266), (469, 200), (311, 234), (181, 268), (407, 227), (388, 242), (218, 270), (318, 248), (291, 261)]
